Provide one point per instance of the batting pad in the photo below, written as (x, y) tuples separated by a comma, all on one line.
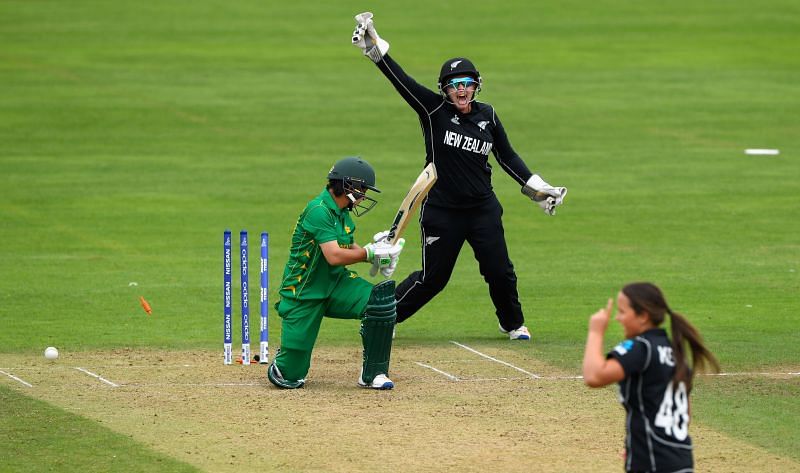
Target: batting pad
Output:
[(376, 330)]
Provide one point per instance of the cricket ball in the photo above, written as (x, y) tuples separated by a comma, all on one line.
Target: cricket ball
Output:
[(51, 353)]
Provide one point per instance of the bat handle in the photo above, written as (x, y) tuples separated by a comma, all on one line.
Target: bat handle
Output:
[(392, 233)]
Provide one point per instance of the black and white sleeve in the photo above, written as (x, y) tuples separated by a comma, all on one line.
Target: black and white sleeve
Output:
[(508, 159), (419, 97)]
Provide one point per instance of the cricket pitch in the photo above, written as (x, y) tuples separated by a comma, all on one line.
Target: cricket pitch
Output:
[(479, 408)]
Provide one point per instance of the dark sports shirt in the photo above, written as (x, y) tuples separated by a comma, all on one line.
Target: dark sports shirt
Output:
[(657, 420), (459, 145)]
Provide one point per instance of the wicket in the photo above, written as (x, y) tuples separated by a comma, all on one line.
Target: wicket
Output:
[(245, 291)]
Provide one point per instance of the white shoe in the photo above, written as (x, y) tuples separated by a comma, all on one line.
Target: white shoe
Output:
[(380, 382), (521, 333)]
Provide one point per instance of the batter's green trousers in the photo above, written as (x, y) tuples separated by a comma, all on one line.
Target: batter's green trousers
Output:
[(301, 320)]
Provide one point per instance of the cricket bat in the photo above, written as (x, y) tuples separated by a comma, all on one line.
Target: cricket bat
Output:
[(411, 202), (409, 206)]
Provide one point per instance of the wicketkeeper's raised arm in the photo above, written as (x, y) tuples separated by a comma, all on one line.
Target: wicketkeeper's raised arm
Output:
[(365, 37)]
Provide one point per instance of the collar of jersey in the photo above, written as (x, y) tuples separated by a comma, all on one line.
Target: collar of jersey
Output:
[(327, 200)]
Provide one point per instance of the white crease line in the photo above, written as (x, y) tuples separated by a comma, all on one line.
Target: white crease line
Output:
[(212, 385), (543, 378), (480, 380), (17, 379), (153, 366), (750, 374), (113, 385), (448, 375), (532, 375), (36, 367)]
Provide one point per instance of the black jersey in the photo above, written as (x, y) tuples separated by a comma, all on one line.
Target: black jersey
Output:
[(657, 420), (459, 145)]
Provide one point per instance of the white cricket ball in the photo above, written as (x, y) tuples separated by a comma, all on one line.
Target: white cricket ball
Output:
[(51, 353)]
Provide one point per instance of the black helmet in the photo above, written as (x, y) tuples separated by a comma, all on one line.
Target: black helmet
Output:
[(356, 175), (458, 66)]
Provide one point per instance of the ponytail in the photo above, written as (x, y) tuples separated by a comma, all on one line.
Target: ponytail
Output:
[(684, 333), (647, 298)]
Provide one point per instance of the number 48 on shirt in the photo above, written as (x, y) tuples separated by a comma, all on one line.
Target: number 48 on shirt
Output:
[(673, 414)]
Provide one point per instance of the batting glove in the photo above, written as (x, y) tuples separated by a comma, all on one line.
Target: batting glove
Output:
[(543, 194), (381, 236), (378, 255), (389, 270), (366, 38), (383, 256)]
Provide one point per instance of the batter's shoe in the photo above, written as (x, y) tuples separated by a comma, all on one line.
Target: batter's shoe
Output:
[(380, 382), (521, 333), (276, 377)]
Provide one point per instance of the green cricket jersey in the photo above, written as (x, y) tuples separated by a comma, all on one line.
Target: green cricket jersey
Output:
[(307, 275)]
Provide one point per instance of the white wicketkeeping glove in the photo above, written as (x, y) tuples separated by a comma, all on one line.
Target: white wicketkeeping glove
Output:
[(384, 257), (543, 194), (366, 38)]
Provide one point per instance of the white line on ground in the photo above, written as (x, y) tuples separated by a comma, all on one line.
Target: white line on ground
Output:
[(504, 378), (749, 374), (448, 375), (17, 379), (481, 380), (532, 375), (113, 385), (213, 385), (551, 378), (153, 366)]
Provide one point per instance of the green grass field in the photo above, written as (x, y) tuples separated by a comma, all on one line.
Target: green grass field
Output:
[(132, 134)]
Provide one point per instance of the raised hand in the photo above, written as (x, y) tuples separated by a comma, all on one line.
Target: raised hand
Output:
[(366, 38), (543, 194), (598, 322)]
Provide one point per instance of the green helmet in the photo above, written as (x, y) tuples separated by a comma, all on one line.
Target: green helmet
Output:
[(356, 170), (356, 176)]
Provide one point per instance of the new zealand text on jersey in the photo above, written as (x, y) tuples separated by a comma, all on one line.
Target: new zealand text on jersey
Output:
[(467, 143)]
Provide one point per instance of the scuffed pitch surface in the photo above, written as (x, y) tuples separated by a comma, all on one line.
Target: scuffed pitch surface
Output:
[(227, 418)]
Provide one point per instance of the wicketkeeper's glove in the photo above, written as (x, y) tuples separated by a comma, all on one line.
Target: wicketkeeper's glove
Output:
[(543, 194), (366, 38)]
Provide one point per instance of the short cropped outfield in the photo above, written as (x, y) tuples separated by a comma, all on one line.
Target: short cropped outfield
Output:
[(134, 134)]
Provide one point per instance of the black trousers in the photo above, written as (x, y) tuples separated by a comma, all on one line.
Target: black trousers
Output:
[(444, 231)]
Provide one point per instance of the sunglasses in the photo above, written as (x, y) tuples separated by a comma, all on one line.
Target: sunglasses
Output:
[(467, 82)]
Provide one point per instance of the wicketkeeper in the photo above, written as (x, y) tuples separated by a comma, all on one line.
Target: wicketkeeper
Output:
[(459, 134), (316, 282)]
